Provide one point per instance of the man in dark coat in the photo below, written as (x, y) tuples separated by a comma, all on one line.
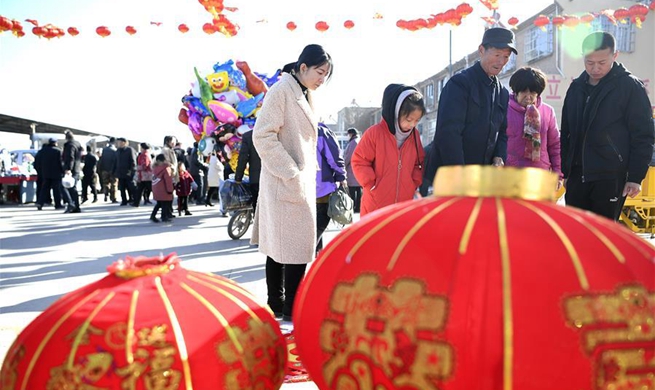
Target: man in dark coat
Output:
[(248, 156), (106, 167), (124, 171), (50, 171), (472, 116), (198, 170), (607, 131), (72, 161), (89, 175)]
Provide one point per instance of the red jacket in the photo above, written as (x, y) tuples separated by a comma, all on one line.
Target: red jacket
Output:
[(162, 182), (183, 187), (387, 174)]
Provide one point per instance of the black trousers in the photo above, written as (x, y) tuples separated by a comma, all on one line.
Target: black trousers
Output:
[(322, 222), (198, 194), (602, 197), (46, 187), (165, 206), (356, 195), (143, 189), (70, 195), (183, 203), (87, 181), (127, 188), (282, 281), (254, 190)]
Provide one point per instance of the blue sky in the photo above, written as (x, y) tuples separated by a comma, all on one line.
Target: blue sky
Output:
[(131, 86)]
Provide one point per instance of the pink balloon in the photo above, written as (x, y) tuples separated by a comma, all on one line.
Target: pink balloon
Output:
[(223, 112)]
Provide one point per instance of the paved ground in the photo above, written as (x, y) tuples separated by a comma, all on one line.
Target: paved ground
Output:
[(45, 254)]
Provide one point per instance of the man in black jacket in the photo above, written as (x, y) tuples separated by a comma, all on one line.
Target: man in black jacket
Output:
[(607, 131), (50, 171), (472, 117), (198, 170), (106, 167), (72, 159), (124, 171), (248, 156)]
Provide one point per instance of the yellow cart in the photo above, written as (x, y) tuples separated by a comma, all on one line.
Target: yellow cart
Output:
[(638, 213)]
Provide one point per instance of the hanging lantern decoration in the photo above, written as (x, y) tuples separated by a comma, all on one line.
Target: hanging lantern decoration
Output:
[(20, 34), (638, 14), (440, 18), (652, 5), (72, 31), (16, 27), (130, 30), (490, 4), (464, 10), (33, 22), (542, 21), (622, 15), (558, 21), (103, 31), (150, 324), (571, 21), (513, 21), (5, 24), (452, 17), (348, 24), (481, 282), (322, 26), (587, 18), (183, 28), (401, 24), (50, 31), (291, 26), (209, 28), (38, 31)]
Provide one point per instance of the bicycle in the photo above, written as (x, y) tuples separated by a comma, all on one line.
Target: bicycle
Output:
[(240, 222)]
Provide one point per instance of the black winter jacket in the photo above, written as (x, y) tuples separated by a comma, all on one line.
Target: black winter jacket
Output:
[(48, 161), (248, 156), (125, 163), (469, 130), (72, 157), (614, 127)]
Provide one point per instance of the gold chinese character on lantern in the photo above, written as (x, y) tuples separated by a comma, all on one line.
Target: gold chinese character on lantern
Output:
[(618, 330), (385, 332)]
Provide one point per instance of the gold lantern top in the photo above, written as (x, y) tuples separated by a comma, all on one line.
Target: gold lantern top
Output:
[(489, 181)]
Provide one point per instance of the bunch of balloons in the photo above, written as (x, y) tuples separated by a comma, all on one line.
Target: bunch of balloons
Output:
[(223, 105)]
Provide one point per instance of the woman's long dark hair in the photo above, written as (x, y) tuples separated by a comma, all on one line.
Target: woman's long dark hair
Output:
[(312, 55)]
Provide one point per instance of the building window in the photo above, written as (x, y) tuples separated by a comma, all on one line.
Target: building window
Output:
[(429, 95), (441, 85), (624, 33), (539, 43)]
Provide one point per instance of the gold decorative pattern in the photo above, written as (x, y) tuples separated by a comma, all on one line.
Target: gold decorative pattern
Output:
[(249, 370), (10, 373), (129, 340), (486, 181), (468, 230), (385, 333), (81, 334), (221, 319), (508, 316), (618, 333), (338, 240), (412, 232), (49, 335), (229, 296), (383, 224), (177, 331), (570, 248), (82, 375)]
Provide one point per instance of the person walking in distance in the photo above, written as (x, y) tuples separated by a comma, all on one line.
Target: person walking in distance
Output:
[(89, 175), (106, 166), (72, 160), (162, 189), (143, 175), (354, 188), (124, 171)]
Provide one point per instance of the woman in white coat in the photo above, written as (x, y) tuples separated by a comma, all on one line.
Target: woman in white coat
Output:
[(285, 137), (214, 178)]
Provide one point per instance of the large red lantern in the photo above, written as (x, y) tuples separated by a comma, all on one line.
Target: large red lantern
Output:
[(477, 288), (103, 31), (72, 31), (183, 28), (150, 325), (322, 26)]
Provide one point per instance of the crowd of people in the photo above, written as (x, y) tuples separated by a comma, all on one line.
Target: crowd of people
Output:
[(601, 152)]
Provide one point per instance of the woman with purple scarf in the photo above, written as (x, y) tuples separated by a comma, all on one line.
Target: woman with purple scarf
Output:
[(331, 173), (532, 133)]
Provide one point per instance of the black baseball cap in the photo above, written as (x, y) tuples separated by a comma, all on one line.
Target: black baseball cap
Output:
[(500, 38)]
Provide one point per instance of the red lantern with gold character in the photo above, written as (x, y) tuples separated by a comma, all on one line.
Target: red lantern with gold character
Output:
[(486, 285), (149, 325)]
